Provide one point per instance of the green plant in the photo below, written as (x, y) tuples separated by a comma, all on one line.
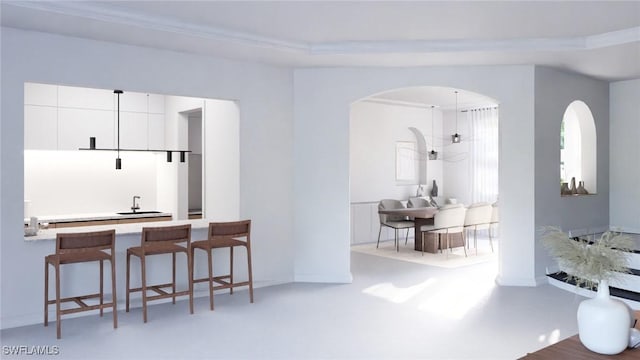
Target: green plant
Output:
[(589, 261)]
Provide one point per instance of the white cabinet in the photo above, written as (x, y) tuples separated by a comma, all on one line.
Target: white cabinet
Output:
[(156, 131), (40, 127), (364, 223), (40, 94), (75, 126), (133, 131), (64, 117), (40, 116), (86, 98)]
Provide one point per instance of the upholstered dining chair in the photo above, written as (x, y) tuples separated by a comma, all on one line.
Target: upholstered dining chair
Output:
[(418, 202), (75, 248), (396, 222), (478, 217), (447, 221)]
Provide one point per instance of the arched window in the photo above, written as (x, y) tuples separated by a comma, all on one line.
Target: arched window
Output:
[(578, 147)]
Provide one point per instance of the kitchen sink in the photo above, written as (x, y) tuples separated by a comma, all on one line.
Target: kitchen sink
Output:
[(138, 212)]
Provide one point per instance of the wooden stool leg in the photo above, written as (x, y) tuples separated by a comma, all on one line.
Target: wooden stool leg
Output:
[(144, 288), (128, 281), (101, 288), (58, 325), (250, 273), (114, 299), (231, 270), (189, 279), (46, 293), (173, 281), (210, 264)]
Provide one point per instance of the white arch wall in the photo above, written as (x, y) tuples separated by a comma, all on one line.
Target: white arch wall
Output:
[(555, 90), (321, 160)]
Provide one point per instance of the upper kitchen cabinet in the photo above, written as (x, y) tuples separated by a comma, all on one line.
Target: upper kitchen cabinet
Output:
[(41, 116), (40, 94), (75, 126), (40, 127), (141, 121), (64, 117), (86, 98)]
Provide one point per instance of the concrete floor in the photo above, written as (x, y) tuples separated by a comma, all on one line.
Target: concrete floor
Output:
[(392, 310)]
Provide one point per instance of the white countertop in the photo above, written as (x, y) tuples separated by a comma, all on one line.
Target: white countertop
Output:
[(94, 217), (121, 229)]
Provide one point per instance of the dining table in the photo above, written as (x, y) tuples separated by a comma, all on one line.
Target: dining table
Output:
[(420, 216)]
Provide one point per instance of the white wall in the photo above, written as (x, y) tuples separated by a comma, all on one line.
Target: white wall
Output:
[(375, 129), (221, 153), (624, 166), (263, 93), (321, 156), (554, 91)]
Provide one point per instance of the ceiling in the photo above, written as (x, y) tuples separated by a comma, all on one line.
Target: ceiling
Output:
[(596, 38)]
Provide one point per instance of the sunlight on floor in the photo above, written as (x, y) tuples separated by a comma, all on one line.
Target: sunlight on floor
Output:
[(551, 338), (397, 295), (454, 299)]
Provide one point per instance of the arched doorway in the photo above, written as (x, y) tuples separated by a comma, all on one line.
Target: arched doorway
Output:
[(400, 145)]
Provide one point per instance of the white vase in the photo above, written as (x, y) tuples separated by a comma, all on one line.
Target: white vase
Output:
[(603, 323)]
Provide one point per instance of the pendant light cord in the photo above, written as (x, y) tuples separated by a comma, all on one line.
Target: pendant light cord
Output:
[(433, 143), (118, 123), (456, 112)]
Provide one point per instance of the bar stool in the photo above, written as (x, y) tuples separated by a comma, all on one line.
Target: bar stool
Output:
[(72, 248), (156, 241), (224, 235)]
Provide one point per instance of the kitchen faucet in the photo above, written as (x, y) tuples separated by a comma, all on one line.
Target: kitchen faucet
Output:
[(135, 206)]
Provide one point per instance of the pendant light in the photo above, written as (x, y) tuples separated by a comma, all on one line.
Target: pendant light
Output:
[(118, 160), (92, 140), (456, 138), (433, 154)]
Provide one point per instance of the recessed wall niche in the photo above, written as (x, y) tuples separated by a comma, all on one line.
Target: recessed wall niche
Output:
[(578, 150)]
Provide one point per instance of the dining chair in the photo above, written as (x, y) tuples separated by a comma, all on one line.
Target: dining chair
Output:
[(418, 202), (396, 222), (447, 221), (225, 235), (75, 248), (478, 217), (158, 241)]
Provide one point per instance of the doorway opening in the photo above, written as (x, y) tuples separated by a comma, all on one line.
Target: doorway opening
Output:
[(396, 132)]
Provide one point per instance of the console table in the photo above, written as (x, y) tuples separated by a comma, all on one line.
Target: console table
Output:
[(572, 348)]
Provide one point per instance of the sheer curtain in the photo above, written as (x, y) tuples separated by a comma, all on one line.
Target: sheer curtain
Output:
[(484, 154)]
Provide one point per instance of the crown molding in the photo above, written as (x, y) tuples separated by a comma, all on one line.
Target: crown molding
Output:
[(115, 15)]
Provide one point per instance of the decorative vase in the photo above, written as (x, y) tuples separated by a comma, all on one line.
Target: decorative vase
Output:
[(603, 323), (574, 190), (434, 189), (581, 190), (564, 189)]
